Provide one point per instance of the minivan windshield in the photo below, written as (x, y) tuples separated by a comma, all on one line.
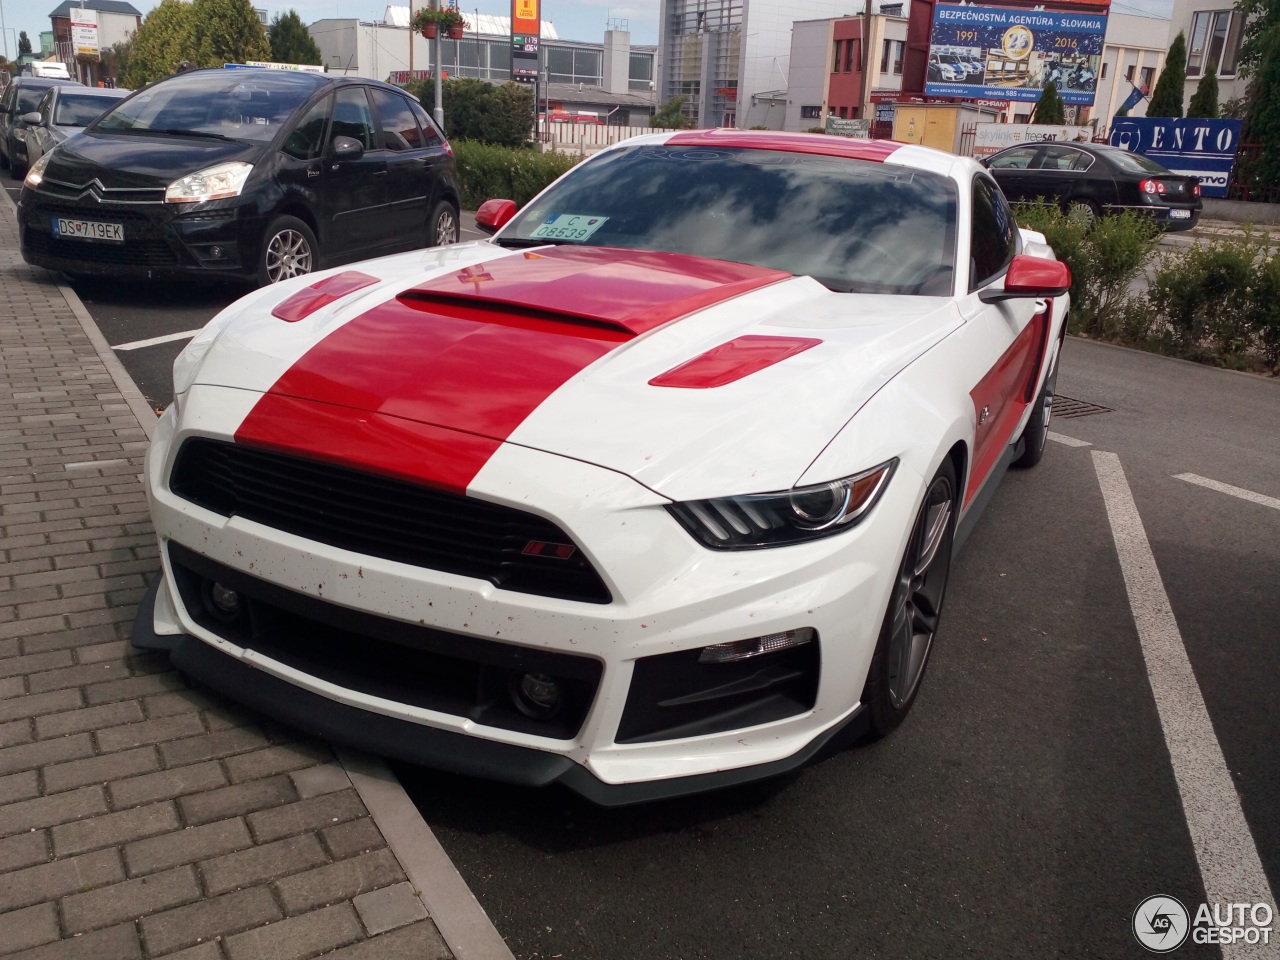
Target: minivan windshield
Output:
[(236, 104), (853, 225)]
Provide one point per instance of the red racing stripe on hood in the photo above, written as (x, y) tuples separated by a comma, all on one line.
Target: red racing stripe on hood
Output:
[(426, 386)]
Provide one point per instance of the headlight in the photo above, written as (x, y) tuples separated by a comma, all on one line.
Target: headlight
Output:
[(216, 183), (36, 173), (789, 516)]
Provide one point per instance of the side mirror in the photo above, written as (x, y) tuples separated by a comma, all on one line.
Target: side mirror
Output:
[(346, 148), (31, 119), (493, 215), (1030, 278)]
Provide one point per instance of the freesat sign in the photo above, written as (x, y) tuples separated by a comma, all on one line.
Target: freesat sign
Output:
[(1197, 148)]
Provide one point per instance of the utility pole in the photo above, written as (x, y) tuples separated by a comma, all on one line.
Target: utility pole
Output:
[(437, 62)]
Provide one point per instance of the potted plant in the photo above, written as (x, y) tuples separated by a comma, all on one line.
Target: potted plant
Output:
[(429, 22)]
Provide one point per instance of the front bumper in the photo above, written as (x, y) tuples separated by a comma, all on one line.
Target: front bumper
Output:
[(671, 597), (218, 240)]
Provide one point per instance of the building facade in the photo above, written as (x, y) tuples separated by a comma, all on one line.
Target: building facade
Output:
[(1214, 31), (1133, 55), (720, 54), (117, 22), (612, 80)]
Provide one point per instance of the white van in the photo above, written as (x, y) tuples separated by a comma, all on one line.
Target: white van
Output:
[(53, 69)]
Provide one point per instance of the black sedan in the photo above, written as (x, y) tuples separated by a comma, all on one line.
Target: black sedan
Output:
[(61, 112), (1090, 179), (246, 174)]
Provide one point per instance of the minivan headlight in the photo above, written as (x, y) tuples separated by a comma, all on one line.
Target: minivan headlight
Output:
[(36, 174), (215, 183)]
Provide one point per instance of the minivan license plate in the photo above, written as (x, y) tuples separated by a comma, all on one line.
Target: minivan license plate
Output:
[(88, 230), (1179, 214)]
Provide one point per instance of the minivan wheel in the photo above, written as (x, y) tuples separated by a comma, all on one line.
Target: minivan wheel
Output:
[(16, 170), (289, 250), (442, 228)]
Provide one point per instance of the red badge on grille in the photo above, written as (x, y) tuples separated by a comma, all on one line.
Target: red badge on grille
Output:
[(555, 551)]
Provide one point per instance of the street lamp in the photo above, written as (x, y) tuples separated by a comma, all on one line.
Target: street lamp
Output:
[(2, 32)]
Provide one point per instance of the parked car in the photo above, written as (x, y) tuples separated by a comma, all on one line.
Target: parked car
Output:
[(654, 492), (248, 174), (20, 99), (61, 112), (1092, 179)]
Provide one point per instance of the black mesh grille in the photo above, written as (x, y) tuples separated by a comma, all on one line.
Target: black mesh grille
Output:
[(383, 517)]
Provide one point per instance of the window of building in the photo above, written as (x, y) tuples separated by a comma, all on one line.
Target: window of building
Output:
[(838, 58), (810, 113), (1148, 78), (844, 113), (1104, 71), (1215, 38), (891, 57), (571, 65), (850, 55), (640, 71)]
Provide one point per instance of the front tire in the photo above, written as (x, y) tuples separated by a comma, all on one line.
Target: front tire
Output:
[(289, 250), (910, 623), (16, 170), (1036, 432), (443, 227)]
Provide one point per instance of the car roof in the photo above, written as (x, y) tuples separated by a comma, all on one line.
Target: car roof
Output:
[(110, 93), (25, 81), (300, 77)]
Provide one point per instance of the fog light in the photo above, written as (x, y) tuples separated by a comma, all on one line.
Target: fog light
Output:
[(537, 695), (215, 252), (756, 646), (222, 602)]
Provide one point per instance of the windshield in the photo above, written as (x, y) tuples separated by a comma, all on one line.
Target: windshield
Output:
[(239, 104), (851, 224), (1134, 162), (79, 109)]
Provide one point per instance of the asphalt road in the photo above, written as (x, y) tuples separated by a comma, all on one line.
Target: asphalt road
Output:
[(1030, 803)]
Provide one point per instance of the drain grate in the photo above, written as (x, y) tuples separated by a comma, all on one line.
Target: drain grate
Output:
[(1068, 409)]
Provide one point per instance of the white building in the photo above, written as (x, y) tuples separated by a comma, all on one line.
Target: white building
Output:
[(1133, 55), (723, 53), (1213, 30)]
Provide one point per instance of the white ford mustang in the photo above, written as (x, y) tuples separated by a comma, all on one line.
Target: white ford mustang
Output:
[(653, 492)]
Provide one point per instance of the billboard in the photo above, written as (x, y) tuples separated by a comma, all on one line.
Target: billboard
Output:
[(526, 32), (1002, 53), (991, 138), (1195, 148), (84, 31)]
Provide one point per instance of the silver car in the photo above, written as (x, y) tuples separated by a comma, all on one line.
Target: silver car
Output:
[(61, 112)]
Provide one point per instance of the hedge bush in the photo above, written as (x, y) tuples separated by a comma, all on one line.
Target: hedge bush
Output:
[(487, 172), (1104, 255)]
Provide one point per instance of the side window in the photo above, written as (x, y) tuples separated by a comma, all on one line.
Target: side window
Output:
[(351, 116), (1018, 159), (1065, 158), (306, 142), (994, 238), (430, 132), (400, 130), (46, 106)]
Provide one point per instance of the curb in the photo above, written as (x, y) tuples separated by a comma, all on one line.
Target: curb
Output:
[(449, 902)]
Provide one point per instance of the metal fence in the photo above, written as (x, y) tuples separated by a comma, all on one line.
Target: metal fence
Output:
[(1242, 186)]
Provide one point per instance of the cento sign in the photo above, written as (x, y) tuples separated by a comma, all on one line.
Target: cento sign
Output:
[(1205, 149)]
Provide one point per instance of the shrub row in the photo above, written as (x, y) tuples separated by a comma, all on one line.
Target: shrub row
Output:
[(486, 171), (1216, 302)]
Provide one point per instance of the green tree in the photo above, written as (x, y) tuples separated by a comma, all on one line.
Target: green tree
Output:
[(480, 111), (671, 116), (1049, 108), (115, 59), (290, 41), (160, 44), (24, 44), (226, 31), (1264, 121), (1260, 16), (1204, 102), (1166, 100)]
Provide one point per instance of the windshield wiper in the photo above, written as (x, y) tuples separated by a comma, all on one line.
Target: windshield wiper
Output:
[(188, 133), (520, 242)]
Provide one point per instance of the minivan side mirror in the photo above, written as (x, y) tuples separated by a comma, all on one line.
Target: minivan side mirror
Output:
[(493, 215), (31, 119), (346, 148)]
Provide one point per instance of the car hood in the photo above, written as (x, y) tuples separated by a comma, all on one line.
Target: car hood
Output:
[(684, 373), (140, 161)]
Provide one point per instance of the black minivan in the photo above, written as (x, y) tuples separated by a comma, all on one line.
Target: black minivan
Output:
[(248, 174)]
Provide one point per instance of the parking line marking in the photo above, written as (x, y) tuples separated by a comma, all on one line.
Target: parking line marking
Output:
[(1240, 492), (1069, 441), (1224, 846), (167, 338)]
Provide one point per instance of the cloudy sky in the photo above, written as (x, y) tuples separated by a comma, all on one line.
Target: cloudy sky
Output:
[(574, 19)]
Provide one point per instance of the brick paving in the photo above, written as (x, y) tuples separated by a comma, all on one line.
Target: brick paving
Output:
[(141, 817)]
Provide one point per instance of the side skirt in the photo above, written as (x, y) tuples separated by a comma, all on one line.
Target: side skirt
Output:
[(966, 526)]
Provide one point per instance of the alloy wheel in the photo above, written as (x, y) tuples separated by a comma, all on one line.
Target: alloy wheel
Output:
[(919, 591), (446, 228), (288, 256)]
